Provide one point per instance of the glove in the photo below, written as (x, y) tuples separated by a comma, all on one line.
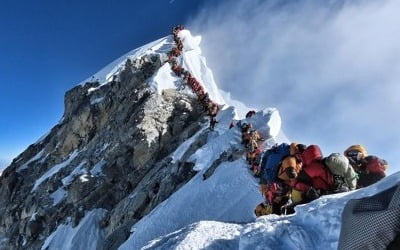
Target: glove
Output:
[(312, 193)]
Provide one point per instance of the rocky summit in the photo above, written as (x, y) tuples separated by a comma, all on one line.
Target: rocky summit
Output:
[(114, 140)]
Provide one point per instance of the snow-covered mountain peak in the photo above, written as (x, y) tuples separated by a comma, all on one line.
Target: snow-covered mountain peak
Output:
[(131, 136), (191, 59), (134, 164)]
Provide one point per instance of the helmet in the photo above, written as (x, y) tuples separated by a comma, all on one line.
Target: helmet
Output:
[(356, 148), (296, 195)]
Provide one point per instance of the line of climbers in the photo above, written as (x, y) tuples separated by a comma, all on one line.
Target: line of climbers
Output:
[(289, 174), (296, 174), (209, 106), (251, 140)]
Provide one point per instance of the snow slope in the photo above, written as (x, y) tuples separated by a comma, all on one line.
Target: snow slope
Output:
[(85, 235), (314, 226)]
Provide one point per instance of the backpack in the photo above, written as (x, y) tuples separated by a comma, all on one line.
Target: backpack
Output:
[(289, 162), (310, 154), (277, 193), (375, 165), (271, 161), (339, 165), (321, 177)]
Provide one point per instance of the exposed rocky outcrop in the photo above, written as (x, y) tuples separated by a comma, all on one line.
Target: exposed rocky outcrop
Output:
[(110, 151)]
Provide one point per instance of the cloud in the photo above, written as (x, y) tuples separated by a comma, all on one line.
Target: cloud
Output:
[(332, 68)]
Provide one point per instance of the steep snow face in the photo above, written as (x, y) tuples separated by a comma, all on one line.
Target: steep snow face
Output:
[(228, 195), (314, 226)]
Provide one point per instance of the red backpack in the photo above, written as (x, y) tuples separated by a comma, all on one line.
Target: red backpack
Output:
[(310, 154), (312, 165), (320, 175), (375, 165)]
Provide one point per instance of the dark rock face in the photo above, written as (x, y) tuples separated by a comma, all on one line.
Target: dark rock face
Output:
[(109, 151)]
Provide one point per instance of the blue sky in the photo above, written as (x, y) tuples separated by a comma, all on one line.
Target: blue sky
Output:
[(47, 47), (332, 68)]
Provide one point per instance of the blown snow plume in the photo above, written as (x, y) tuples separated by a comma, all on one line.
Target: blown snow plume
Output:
[(131, 136)]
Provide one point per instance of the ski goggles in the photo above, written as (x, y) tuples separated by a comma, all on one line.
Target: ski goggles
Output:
[(353, 154)]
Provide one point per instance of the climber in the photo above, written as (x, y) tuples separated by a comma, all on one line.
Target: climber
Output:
[(200, 92), (176, 29), (314, 179), (254, 161), (186, 76), (370, 169), (192, 81), (275, 194), (175, 52), (204, 99), (253, 139), (291, 165), (178, 70), (212, 109), (344, 176), (213, 122), (179, 44), (275, 191), (251, 151), (246, 136)]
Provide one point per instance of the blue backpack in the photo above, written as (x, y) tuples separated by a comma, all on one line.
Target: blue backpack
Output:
[(271, 161)]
